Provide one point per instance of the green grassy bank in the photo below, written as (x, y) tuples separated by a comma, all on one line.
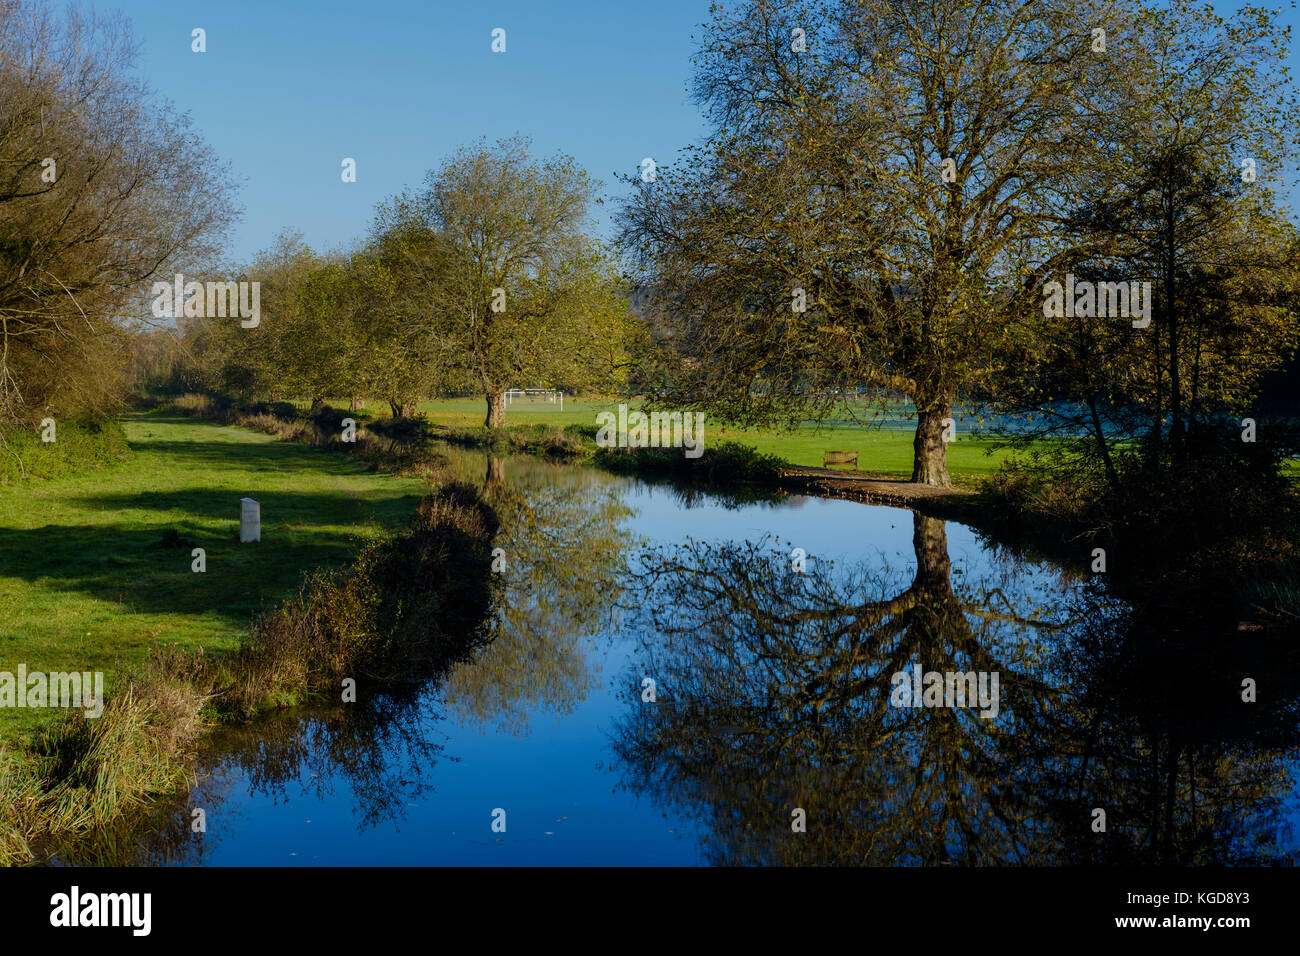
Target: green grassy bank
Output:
[(377, 603), (96, 567), (78, 446)]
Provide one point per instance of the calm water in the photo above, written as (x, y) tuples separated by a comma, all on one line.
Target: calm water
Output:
[(773, 694)]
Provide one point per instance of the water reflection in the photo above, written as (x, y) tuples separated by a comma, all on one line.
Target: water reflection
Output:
[(779, 686), (1160, 735), (776, 696), (377, 754), (562, 545)]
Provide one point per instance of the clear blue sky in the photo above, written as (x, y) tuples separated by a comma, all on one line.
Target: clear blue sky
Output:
[(288, 88)]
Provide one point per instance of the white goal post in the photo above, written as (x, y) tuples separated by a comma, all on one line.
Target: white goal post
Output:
[(551, 395)]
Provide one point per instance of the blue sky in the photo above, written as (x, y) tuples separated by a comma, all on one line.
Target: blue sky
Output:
[(288, 88)]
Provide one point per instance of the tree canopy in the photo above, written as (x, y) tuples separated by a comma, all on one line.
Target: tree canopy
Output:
[(103, 187)]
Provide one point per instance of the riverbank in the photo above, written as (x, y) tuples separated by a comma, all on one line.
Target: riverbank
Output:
[(736, 468), (1043, 512), (872, 489), (99, 565), (406, 604)]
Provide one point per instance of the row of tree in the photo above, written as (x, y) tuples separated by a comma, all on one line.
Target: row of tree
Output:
[(887, 190), (483, 279)]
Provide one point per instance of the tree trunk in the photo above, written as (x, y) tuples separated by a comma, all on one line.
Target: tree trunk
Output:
[(1171, 793), (496, 409), (936, 626), (1170, 311), (1155, 440), (1099, 435), (496, 477), (929, 450), (933, 566)]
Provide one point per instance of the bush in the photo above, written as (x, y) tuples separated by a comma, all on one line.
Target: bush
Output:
[(568, 443), (723, 464), (406, 431), (401, 608), (1225, 512), (78, 445)]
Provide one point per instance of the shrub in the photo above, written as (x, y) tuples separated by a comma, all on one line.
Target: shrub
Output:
[(722, 464), (78, 445)]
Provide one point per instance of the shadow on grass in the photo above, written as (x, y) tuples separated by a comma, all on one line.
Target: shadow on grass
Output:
[(280, 509), (147, 565), (242, 455)]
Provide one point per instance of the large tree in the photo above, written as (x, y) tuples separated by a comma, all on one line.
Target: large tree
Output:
[(884, 185), (521, 293)]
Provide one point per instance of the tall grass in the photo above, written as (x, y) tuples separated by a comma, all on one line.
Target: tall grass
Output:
[(383, 447)]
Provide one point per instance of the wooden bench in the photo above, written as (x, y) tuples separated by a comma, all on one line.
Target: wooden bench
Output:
[(840, 458)]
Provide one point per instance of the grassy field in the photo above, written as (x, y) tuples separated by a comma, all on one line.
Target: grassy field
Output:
[(86, 583), (886, 450)]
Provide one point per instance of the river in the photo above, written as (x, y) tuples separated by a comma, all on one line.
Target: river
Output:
[(680, 678)]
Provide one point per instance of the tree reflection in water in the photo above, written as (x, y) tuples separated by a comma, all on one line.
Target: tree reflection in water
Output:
[(774, 694), (564, 542), (563, 537)]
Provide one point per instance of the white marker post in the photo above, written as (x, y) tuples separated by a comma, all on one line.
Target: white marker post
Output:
[(250, 520)]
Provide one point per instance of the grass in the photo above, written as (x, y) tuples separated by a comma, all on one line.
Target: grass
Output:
[(88, 582), (886, 450)]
